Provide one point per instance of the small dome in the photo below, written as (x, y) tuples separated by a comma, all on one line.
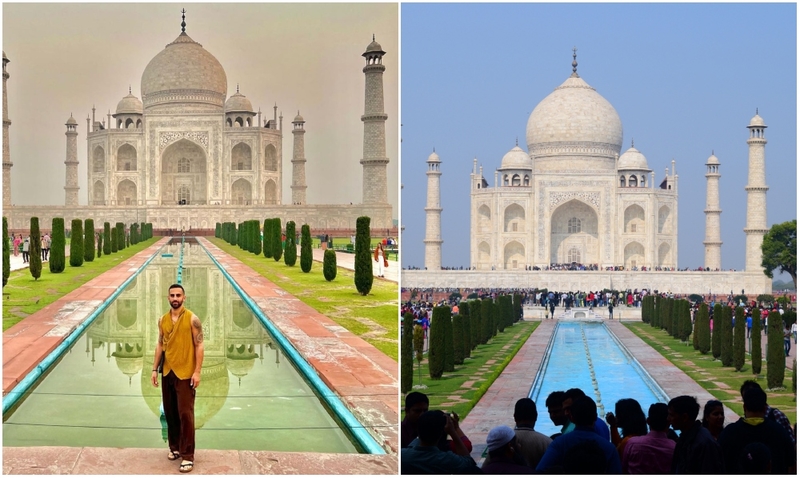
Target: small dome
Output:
[(516, 159), (298, 119), (632, 159), (712, 159), (434, 158), (373, 47), (130, 105), (757, 121), (71, 120), (238, 103)]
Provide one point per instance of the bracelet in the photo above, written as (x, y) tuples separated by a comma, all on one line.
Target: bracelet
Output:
[(154, 370)]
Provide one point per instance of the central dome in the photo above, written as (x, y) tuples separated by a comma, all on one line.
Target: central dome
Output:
[(574, 120), (184, 72)]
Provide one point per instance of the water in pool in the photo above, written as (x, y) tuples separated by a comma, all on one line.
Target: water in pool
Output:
[(575, 346), (250, 397)]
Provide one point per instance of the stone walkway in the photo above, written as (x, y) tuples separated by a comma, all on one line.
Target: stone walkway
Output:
[(364, 378), (497, 405)]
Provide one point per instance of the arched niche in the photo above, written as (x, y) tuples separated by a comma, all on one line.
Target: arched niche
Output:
[(126, 193), (183, 169), (270, 192), (514, 218), (634, 219), (270, 158), (634, 255), (574, 224), (514, 256), (126, 158), (242, 192), (241, 157), (98, 160)]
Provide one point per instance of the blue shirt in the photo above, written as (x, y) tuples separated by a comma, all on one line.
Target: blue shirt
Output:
[(600, 428), (556, 452)]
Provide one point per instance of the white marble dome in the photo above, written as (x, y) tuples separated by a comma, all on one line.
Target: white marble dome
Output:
[(516, 159), (238, 103), (757, 121), (712, 159), (434, 158), (184, 72), (130, 105), (632, 159), (574, 119)]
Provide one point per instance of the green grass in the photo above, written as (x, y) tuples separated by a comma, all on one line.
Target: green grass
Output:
[(722, 382), (374, 317), (23, 295), (502, 348)]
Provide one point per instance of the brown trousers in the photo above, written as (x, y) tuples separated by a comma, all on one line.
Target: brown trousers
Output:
[(178, 398)]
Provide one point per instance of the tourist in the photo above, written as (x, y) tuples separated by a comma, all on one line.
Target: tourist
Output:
[(17, 243), (794, 331), (26, 245), (45, 246), (530, 443), (562, 453), (771, 413), (569, 397), (756, 459), (416, 404), (696, 451), (749, 323), (380, 258), (426, 457), (611, 311), (630, 417), (787, 339), (179, 352), (714, 418), (504, 457), (555, 407), (754, 428), (650, 454)]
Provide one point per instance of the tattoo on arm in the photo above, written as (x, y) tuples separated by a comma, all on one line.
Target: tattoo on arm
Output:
[(160, 338), (198, 338)]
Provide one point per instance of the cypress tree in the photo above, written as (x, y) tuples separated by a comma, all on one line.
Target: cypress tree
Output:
[(363, 259), (502, 320), (695, 334), (114, 239), (106, 238), (329, 265), (306, 254), (256, 237), (486, 320), (686, 322), (682, 314), (475, 326), (76, 244), (646, 301), (726, 336), (464, 311), (234, 234), (458, 339), (738, 340), (406, 353), (35, 250), (436, 341), (218, 230), (701, 328), (716, 332), (120, 236), (277, 245), (656, 311), (58, 246), (497, 316), (88, 240), (419, 343), (449, 354), (776, 358), (267, 248), (755, 341), (6, 253), (676, 307), (99, 246), (290, 252)]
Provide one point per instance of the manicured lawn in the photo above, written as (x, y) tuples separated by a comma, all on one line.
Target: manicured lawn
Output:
[(23, 295), (460, 390), (373, 317), (722, 382)]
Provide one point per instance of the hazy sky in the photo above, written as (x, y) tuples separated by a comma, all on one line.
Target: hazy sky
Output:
[(307, 57), (685, 79)]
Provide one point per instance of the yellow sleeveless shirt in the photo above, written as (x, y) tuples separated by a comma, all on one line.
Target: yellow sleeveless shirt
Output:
[(178, 345)]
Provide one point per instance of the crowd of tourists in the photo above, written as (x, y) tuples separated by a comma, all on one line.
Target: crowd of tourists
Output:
[(672, 438), (576, 266)]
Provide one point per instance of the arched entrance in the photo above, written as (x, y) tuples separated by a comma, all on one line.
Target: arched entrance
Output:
[(126, 193), (183, 173), (573, 234)]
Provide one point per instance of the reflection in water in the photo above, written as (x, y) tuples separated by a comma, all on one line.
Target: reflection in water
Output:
[(239, 390)]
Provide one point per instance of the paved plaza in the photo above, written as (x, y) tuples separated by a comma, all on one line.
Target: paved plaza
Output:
[(364, 378)]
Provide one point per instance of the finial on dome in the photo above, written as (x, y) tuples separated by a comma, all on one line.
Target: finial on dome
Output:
[(434, 149), (516, 140), (575, 62), (183, 20), (712, 152), (237, 87), (373, 37), (756, 110), (129, 90), (631, 142)]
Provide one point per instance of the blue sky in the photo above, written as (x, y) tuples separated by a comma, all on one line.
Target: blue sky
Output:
[(685, 79)]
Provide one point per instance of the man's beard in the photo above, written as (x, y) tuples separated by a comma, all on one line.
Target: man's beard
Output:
[(176, 305)]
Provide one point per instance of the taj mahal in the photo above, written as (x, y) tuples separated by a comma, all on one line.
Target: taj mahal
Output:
[(186, 156), (573, 202)]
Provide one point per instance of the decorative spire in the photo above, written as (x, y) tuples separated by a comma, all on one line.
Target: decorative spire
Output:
[(183, 20), (129, 90), (516, 141), (575, 62), (631, 142), (237, 88), (756, 110), (373, 37), (434, 149), (712, 152)]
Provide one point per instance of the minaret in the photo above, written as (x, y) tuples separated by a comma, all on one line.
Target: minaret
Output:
[(433, 217), (756, 225), (71, 184), (299, 161), (713, 241), (374, 187), (6, 149)]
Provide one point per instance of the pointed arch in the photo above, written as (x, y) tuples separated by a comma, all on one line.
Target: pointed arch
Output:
[(665, 255), (664, 220), (634, 255), (513, 256), (484, 256), (242, 192), (484, 219), (270, 192), (634, 219), (514, 218), (126, 193), (98, 160), (126, 158), (270, 158), (184, 165), (574, 224), (99, 193), (241, 157)]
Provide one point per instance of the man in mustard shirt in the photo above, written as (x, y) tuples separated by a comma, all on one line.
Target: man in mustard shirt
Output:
[(180, 339)]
